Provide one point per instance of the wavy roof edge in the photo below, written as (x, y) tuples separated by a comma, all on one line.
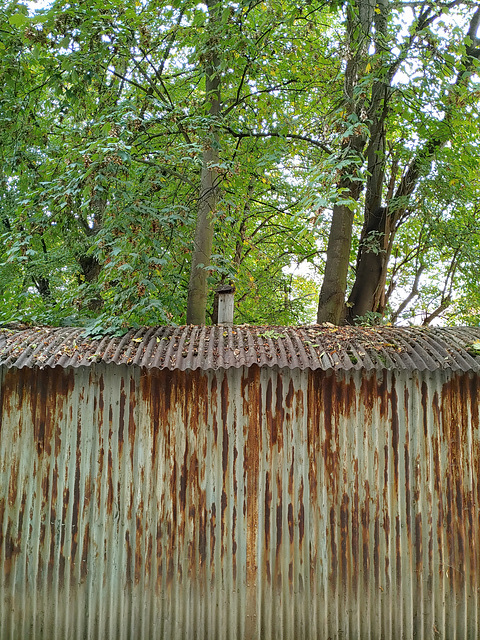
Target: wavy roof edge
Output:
[(312, 347)]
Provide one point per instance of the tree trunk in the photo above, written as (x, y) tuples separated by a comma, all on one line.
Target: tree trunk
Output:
[(331, 304), (372, 250), (381, 223), (370, 264), (208, 197), (371, 256)]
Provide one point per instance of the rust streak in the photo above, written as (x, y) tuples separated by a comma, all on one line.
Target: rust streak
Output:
[(139, 553), (333, 548), (355, 527), (76, 492), (269, 415), (268, 507), (110, 483), (365, 517), (301, 515), (85, 549), (344, 537), (290, 394), (131, 420), (279, 523), (121, 421), (251, 455), (395, 436), (225, 448), (234, 544), (13, 482), (424, 408), (279, 413), (128, 567), (418, 544), (213, 520), (290, 522)]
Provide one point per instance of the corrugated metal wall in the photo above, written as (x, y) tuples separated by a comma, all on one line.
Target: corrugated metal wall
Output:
[(242, 503)]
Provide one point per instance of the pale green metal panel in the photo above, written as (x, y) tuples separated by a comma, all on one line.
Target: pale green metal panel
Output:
[(239, 503)]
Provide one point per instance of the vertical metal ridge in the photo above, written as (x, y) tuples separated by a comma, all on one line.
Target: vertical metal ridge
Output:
[(239, 503)]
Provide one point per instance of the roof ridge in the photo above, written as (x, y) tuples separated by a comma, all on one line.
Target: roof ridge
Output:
[(224, 346)]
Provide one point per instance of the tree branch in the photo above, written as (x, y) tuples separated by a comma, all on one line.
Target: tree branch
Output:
[(275, 134), (154, 88), (166, 170), (473, 50), (446, 298), (439, 310), (413, 293), (436, 141), (239, 101)]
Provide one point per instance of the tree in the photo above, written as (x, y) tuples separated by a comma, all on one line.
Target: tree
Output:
[(210, 173), (371, 107), (132, 186), (131, 136)]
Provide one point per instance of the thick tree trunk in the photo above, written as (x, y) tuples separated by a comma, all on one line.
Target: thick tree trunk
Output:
[(370, 265), (378, 236), (331, 304), (91, 269), (381, 223), (197, 288), (372, 251), (371, 256), (208, 197), (43, 287)]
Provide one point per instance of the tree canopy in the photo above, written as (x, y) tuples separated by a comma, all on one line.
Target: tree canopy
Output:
[(308, 153)]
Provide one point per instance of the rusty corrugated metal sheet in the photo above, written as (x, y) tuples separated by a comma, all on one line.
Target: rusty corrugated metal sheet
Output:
[(199, 347), (238, 504)]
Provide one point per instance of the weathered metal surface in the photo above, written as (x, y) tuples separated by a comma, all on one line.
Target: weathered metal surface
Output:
[(238, 504), (315, 347)]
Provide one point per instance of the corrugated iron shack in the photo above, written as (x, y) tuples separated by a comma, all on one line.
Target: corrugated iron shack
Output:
[(240, 483)]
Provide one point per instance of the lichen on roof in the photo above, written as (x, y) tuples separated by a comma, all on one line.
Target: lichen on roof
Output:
[(211, 347)]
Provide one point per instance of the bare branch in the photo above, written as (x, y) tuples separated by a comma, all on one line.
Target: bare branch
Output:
[(171, 172), (446, 299), (413, 293), (275, 134), (125, 79), (438, 311), (239, 100)]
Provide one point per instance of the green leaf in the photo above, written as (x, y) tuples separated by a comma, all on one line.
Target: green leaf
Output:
[(18, 19)]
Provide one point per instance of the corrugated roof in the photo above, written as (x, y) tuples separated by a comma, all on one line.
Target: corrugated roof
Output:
[(214, 347)]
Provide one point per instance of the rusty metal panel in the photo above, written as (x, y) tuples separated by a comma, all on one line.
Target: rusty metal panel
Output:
[(214, 347), (238, 504)]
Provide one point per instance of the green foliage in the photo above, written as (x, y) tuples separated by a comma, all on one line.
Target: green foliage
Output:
[(102, 187), (370, 319), (271, 333), (474, 348), (102, 112)]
